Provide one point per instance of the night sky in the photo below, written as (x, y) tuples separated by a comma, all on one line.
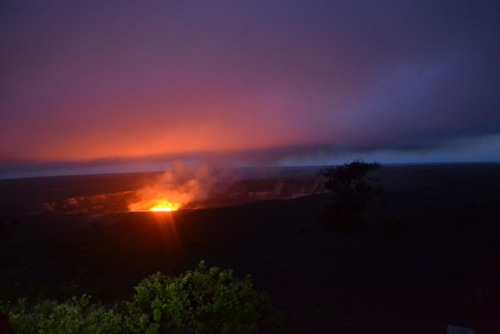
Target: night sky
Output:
[(103, 86)]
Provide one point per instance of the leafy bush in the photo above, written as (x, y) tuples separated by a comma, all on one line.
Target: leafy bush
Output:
[(76, 315), (200, 301)]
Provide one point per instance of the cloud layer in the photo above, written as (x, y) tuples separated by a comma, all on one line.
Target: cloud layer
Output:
[(93, 80)]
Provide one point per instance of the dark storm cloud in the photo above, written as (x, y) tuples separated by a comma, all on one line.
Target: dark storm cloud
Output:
[(87, 80)]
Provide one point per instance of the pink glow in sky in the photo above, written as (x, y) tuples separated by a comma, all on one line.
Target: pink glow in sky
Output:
[(106, 81)]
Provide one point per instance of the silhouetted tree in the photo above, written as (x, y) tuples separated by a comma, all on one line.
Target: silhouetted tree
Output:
[(350, 191)]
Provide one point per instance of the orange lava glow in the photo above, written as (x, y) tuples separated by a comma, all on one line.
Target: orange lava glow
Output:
[(179, 187), (155, 205), (163, 205)]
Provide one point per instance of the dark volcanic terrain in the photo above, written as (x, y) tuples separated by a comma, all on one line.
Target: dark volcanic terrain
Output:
[(428, 255)]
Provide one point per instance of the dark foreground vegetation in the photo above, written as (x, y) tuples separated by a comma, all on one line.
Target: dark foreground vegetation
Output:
[(426, 256), (200, 301)]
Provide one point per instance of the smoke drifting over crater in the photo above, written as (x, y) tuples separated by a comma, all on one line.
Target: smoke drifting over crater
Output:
[(182, 187), (192, 187)]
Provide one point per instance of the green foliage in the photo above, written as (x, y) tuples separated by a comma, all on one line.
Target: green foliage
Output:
[(76, 315), (200, 301)]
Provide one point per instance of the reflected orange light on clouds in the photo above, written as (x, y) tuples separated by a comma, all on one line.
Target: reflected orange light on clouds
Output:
[(135, 138)]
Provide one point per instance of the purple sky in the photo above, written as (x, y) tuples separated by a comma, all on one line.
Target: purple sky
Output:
[(103, 86)]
